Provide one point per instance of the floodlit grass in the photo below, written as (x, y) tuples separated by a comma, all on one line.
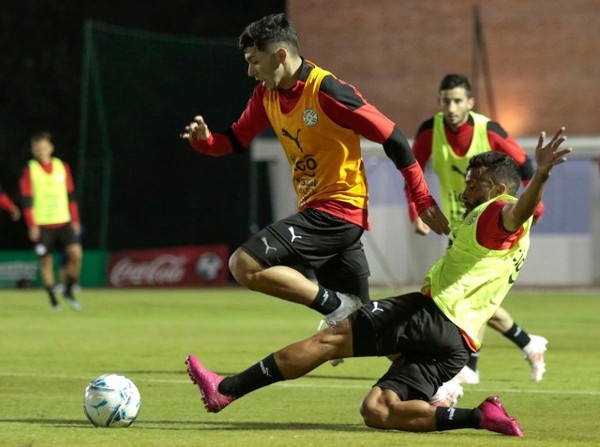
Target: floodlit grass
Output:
[(46, 361)]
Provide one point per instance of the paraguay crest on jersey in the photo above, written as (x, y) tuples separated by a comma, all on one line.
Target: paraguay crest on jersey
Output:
[(310, 117)]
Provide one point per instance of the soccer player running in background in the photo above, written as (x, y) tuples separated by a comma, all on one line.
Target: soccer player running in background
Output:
[(319, 120), (52, 216), (450, 139), (8, 205), (435, 328)]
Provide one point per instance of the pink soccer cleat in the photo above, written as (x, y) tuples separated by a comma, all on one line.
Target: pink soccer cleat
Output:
[(495, 418), (208, 382)]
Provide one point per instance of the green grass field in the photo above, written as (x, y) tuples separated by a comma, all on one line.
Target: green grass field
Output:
[(48, 359)]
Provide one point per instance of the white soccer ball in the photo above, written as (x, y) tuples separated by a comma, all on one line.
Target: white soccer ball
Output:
[(111, 400)]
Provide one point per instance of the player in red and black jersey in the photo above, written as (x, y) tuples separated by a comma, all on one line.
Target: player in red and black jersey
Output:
[(319, 120), (450, 139)]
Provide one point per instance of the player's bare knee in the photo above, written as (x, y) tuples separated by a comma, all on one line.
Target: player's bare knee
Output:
[(243, 268), (373, 412)]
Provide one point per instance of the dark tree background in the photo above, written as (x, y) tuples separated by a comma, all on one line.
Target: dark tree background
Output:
[(41, 45)]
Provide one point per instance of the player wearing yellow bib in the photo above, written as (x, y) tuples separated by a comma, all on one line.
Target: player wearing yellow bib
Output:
[(434, 329), (319, 121), (450, 139), (52, 216)]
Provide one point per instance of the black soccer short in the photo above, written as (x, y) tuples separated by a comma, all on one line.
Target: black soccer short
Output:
[(432, 348), (55, 239), (313, 239)]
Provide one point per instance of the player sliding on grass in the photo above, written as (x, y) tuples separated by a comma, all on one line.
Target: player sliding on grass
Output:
[(450, 138), (319, 120), (434, 329)]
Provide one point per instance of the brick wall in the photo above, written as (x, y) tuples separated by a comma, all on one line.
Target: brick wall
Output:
[(544, 56)]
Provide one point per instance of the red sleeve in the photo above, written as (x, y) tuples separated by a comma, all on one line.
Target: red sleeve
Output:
[(252, 122), (422, 149), (253, 119), (501, 142), (422, 146), (416, 187), (539, 209), (490, 231), (25, 184), (216, 145), (26, 196), (345, 105), (5, 202)]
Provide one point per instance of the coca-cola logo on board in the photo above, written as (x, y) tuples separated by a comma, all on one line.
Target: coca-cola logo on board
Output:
[(164, 269)]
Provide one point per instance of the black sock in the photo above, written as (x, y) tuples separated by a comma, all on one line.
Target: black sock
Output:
[(325, 302), (455, 418), (472, 362), (52, 295), (69, 288), (257, 376), (517, 335)]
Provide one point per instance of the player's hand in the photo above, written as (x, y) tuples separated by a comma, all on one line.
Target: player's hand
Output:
[(549, 155), (76, 228), (34, 234), (435, 219), (196, 130), (15, 214), (421, 227)]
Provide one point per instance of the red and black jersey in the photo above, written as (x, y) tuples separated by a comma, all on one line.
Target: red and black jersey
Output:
[(345, 106)]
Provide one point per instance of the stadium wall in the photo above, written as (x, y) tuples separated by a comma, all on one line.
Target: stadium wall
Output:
[(542, 56)]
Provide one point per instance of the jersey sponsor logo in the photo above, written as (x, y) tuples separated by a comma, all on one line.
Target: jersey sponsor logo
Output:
[(292, 232), (295, 139), (307, 165), (267, 246), (310, 117)]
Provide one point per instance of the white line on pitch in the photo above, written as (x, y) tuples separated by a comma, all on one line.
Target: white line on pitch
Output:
[(344, 385)]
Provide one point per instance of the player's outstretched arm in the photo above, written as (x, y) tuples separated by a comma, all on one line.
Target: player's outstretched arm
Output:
[(546, 156)]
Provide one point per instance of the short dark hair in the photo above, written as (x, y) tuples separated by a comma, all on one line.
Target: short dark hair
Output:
[(500, 169), (274, 28), (454, 80), (39, 136)]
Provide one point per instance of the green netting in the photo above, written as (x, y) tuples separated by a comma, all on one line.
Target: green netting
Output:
[(140, 185)]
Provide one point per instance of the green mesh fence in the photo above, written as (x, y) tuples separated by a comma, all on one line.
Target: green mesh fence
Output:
[(139, 184)]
